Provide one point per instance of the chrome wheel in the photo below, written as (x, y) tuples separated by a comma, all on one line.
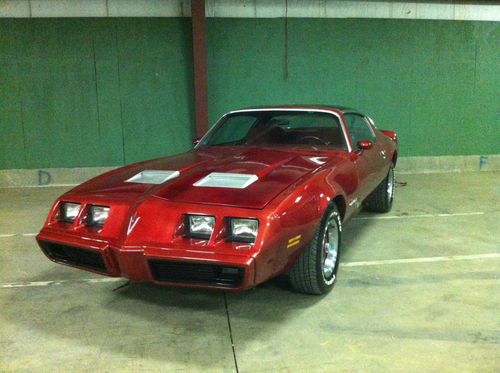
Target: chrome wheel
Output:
[(330, 248), (390, 184), (316, 269)]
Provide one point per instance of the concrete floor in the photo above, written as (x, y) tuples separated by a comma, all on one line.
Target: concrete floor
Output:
[(385, 314)]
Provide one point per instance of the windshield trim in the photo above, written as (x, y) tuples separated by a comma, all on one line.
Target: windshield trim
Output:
[(214, 127)]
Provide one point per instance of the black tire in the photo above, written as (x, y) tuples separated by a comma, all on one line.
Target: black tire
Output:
[(315, 272), (381, 198)]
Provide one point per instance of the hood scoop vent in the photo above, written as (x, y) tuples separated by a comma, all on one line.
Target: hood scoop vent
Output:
[(226, 180), (153, 177)]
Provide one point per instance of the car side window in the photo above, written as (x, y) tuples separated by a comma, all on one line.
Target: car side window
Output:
[(359, 129)]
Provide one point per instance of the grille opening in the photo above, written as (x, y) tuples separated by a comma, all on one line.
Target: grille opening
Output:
[(201, 273), (74, 255)]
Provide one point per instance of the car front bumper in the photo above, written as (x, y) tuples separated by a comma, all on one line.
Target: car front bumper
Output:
[(164, 266)]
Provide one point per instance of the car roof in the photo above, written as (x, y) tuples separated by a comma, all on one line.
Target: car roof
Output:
[(312, 107)]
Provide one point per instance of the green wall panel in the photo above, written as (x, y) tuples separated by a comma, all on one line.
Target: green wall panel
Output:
[(155, 66), (107, 87), (58, 93), (12, 152), (95, 92), (435, 82)]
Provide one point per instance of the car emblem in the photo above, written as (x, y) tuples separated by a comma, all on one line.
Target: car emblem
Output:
[(132, 223)]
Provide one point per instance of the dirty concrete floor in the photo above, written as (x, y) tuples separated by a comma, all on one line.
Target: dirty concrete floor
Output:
[(386, 313)]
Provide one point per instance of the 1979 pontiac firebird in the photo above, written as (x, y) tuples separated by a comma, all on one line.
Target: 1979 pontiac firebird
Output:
[(265, 192)]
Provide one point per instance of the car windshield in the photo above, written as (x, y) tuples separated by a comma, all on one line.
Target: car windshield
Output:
[(277, 128)]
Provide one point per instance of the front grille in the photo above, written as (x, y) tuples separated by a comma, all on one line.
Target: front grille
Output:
[(209, 274), (74, 255)]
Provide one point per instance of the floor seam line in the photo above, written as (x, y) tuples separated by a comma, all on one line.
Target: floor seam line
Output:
[(230, 333)]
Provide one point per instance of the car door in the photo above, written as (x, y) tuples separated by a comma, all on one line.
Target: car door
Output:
[(367, 162), (381, 160)]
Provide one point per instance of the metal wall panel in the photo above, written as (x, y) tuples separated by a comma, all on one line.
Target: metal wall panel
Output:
[(436, 83), (90, 92)]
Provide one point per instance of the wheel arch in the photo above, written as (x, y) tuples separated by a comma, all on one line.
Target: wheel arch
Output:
[(340, 202), (306, 204), (334, 195), (395, 157)]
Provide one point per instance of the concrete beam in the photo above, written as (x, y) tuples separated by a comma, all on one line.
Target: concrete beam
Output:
[(150, 8), (15, 9), (68, 8), (446, 10)]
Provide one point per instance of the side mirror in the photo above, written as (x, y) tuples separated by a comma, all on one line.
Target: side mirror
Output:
[(391, 135), (196, 141), (365, 144)]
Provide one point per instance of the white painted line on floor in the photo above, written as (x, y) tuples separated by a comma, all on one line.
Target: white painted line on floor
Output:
[(348, 264), (18, 234), (418, 216), (421, 260), (58, 282)]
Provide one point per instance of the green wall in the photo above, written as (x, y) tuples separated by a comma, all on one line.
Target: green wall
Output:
[(437, 83), (91, 92)]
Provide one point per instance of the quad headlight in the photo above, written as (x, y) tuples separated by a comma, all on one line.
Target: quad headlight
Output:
[(243, 230), (69, 211), (199, 226), (97, 215)]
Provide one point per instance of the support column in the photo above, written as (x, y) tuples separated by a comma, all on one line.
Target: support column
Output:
[(200, 66)]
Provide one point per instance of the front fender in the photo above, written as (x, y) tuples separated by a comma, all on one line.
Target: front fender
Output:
[(294, 221)]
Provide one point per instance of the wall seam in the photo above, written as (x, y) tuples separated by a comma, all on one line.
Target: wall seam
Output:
[(285, 77), (120, 93), (476, 47), (96, 90), (21, 102)]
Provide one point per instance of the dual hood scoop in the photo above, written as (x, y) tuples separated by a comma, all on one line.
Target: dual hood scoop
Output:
[(153, 177), (214, 179), (226, 180)]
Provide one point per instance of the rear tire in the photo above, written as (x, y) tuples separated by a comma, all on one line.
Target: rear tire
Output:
[(316, 269), (381, 198)]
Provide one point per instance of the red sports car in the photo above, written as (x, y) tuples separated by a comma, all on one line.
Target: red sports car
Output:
[(265, 192)]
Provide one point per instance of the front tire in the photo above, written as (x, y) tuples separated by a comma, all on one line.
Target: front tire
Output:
[(316, 269), (381, 198)]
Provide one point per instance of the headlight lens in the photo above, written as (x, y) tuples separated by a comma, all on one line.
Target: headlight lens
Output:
[(200, 226), (98, 215), (69, 211), (243, 230)]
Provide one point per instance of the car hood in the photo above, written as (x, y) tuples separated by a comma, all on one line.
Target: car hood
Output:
[(275, 170)]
